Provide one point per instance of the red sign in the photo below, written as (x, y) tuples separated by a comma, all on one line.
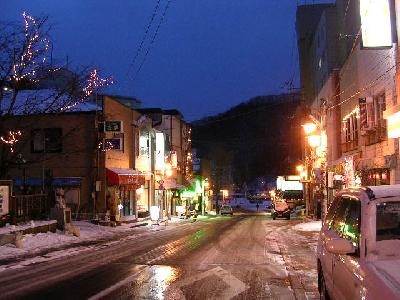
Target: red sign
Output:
[(132, 179)]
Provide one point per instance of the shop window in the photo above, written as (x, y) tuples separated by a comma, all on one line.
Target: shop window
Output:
[(47, 140), (375, 177)]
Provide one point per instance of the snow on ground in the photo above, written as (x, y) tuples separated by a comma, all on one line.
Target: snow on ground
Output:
[(309, 226), (13, 228), (247, 205), (33, 243)]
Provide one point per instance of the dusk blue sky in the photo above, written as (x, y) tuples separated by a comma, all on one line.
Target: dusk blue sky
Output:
[(209, 55)]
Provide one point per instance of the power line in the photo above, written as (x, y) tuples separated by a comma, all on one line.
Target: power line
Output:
[(367, 86), (147, 30), (153, 40)]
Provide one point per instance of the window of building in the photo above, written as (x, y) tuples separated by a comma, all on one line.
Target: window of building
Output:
[(144, 144), (350, 128), (47, 140), (374, 125), (350, 133), (379, 108)]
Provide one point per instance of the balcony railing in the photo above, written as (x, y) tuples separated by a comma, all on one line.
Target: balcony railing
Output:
[(350, 146), (377, 135)]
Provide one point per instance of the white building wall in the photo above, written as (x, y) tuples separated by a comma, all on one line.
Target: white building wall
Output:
[(368, 73), (327, 117)]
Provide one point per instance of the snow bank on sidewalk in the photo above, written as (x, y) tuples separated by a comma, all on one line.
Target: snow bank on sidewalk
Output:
[(309, 226), (33, 243), (13, 228)]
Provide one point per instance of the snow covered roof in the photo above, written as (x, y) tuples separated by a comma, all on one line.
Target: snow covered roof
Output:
[(43, 101)]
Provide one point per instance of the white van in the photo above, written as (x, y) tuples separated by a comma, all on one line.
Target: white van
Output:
[(359, 245)]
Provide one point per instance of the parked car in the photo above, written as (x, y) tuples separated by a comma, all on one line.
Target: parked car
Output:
[(358, 253), (226, 210), (280, 209)]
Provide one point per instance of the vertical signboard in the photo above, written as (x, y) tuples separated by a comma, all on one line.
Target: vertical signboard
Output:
[(376, 24), (160, 151), (5, 194)]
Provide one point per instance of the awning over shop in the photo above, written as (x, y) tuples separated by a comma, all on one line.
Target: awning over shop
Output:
[(122, 177), (66, 181), (32, 181)]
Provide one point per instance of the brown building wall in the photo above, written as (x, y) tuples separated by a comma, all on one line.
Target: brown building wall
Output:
[(113, 111), (77, 158)]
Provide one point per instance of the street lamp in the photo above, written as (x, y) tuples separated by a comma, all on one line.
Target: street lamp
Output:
[(168, 169), (300, 168), (309, 128), (314, 140)]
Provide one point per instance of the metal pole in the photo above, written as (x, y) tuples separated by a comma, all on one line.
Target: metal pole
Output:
[(202, 198)]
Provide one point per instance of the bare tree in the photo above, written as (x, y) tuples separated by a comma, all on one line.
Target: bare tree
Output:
[(31, 84)]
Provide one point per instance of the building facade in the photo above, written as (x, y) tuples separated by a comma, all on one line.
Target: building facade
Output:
[(109, 159), (355, 103)]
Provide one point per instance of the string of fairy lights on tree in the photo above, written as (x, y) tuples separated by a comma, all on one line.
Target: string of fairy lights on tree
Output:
[(28, 60), (11, 139), (32, 55), (93, 83)]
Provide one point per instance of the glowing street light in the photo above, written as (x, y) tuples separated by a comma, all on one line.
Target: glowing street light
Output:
[(300, 168), (309, 128), (168, 169), (314, 140)]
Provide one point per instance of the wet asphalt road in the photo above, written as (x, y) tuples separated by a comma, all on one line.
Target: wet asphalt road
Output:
[(239, 257)]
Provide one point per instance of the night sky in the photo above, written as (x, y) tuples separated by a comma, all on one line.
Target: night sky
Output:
[(208, 55)]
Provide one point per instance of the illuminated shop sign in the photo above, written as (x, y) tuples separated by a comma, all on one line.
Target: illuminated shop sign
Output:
[(376, 25), (113, 126), (393, 125)]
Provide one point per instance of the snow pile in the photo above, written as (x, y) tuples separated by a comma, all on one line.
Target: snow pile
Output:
[(309, 226), (33, 243), (91, 231), (46, 240), (13, 228)]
